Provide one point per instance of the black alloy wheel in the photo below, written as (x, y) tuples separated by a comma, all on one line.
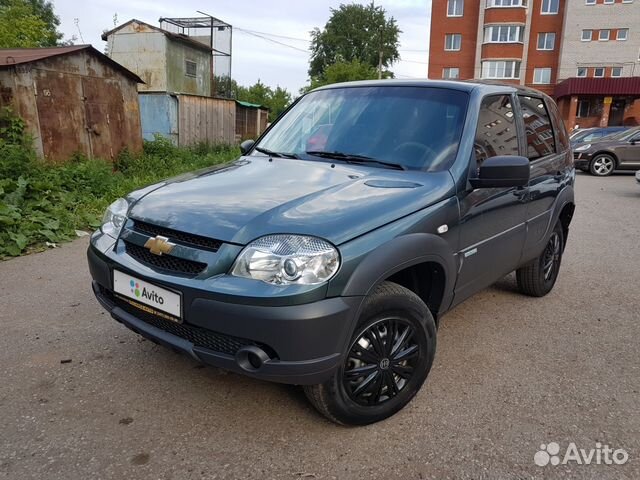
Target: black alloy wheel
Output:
[(380, 362)]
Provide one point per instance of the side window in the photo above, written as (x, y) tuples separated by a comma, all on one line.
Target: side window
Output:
[(496, 133), (538, 129)]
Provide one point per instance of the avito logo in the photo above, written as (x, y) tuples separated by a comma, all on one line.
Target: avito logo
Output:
[(150, 295)]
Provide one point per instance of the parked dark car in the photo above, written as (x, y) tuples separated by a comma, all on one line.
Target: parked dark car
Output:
[(620, 151), (586, 135), (327, 254)]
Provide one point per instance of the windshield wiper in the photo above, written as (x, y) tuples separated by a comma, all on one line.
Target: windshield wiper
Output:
[(271, 153), (354, 158)]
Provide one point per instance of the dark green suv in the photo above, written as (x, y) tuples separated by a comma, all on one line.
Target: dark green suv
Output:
[(326, 254)]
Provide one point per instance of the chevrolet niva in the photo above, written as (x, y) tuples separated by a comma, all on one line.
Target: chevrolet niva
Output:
[(326, 255)]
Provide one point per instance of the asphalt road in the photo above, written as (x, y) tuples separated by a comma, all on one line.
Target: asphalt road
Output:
[(82, 397)]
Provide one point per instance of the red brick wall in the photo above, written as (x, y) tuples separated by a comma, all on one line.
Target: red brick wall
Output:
[(467, 25), (542, 58)]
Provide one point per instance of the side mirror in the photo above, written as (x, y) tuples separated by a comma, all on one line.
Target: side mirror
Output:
[(503, 171), (246, 146)]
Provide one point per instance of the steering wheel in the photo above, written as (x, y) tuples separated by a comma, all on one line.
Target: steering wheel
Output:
[(412, 151)]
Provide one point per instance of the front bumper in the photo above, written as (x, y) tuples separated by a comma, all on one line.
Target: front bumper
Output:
[(304, 343), (581, 160)]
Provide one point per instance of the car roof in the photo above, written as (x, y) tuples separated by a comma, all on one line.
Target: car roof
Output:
[(485, 86)]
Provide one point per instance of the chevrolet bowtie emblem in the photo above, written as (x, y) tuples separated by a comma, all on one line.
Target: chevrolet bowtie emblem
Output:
[(159, 245)]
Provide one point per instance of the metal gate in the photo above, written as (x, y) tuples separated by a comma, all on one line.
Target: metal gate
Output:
[(79, 114)]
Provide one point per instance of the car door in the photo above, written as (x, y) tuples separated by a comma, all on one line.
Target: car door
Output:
[(492, 229), (549, 169), (628, 152)]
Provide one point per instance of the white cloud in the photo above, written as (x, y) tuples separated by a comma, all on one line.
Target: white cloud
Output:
[(255, 58)]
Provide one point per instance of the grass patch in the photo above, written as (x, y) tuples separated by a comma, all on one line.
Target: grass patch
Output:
[(42, 203)]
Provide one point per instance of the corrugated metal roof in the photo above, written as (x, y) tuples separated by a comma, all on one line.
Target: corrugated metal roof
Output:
[(598, 86), (175, 36), (250, 105), (16, 56)]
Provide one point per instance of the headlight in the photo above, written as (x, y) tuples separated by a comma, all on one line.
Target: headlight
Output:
[(582, 148), (114, 218), (288, 259)]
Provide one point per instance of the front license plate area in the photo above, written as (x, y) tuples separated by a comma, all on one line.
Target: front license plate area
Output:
[(148, 297)]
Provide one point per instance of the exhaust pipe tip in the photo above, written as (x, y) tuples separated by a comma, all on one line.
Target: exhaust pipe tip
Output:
[(251, 358)]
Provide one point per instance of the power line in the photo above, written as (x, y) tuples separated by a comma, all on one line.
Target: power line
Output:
[(274, 35), (247, 32)]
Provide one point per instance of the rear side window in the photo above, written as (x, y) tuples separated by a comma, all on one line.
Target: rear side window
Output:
[(537, 124), (496, 132)]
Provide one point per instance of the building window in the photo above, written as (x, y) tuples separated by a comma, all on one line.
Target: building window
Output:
[(582, 72), (542, 75), (498, 69), (627, 1), (583, 109), (598, 72), (590, 2), (609, 1), (550, 7), (623, 34), (503, 34), (452, 41), (506, 3), (537, 124), (603, 35), (191, 68), (546, 41), (616, 71), (455, 8), (586, 35), (451, 73)]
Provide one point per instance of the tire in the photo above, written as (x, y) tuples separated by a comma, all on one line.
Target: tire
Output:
[(538, 277), (602, 165), (378, 378)]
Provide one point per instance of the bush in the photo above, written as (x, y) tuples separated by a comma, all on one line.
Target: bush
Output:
[(42, 203)]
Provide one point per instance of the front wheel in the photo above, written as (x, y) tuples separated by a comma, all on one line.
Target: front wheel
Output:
[(389, 358), (538, 277), (602, 165)]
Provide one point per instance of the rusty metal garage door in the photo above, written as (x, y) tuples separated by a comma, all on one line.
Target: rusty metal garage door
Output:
[(61, 115)]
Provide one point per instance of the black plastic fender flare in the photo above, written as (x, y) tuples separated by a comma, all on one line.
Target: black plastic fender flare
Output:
[(400, 253)]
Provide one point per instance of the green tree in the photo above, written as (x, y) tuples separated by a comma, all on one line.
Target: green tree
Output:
[(343, 72), (275, 100), (28, 24), (354, 33)]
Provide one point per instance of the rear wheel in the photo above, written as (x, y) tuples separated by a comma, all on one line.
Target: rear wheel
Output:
[(538, 277), (389, 358), (602, 165)]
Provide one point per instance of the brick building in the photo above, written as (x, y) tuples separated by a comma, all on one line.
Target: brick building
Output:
[(563, 47)]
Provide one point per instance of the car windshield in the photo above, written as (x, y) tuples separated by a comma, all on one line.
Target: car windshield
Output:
[(577, 136), (416, 128)]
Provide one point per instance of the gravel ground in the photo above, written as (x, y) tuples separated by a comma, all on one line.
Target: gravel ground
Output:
[(82, 397)]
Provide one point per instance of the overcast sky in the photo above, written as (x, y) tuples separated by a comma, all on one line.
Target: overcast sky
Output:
[(255, 58)]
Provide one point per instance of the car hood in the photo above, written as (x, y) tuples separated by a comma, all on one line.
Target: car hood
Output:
[(255, 196), (597, 144)]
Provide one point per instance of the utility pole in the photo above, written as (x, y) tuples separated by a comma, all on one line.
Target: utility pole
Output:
[(380, 53)]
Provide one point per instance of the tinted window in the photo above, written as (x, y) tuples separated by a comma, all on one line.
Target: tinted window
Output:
[(540, 141), (417, 127), (496, 133)]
